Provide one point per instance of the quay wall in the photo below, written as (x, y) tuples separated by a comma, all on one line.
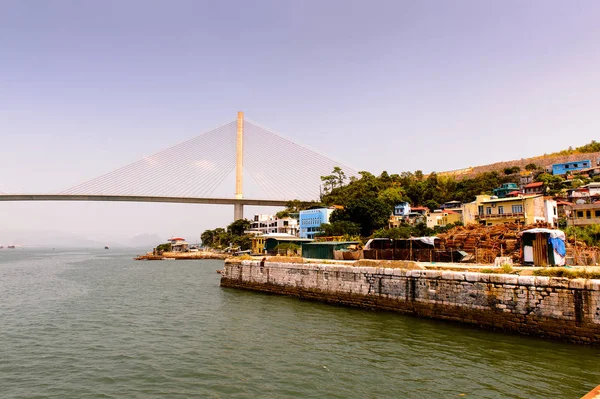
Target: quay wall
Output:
[(549, 307)]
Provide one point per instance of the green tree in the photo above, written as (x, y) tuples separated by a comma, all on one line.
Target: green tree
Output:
[(396, 233), (166, 247), (334, 180), (295, 206), (531, 167), (217, 238), (370, 213), (340, 228), (392, 195), (432, 204), (594, 146), (238, 227), (554, 184), (511, 170), (207, 238), (340, 176)]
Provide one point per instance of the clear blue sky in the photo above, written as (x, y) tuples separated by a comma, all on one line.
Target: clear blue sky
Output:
[(89, 86)]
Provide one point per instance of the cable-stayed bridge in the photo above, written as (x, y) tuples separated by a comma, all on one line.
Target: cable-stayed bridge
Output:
[(191, 171)]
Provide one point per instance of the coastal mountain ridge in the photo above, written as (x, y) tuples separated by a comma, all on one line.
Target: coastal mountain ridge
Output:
[(544, 161)]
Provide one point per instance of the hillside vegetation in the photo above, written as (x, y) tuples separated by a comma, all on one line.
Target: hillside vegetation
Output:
[(588, 151)]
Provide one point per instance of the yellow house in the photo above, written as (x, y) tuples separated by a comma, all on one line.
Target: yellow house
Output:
[(529, 209), (258, 245), (441, 218), (584, 214)]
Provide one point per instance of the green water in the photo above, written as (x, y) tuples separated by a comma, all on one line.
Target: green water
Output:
[(97, 324)]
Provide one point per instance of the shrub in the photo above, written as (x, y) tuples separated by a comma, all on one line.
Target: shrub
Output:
[(166, 247), (506, 268), (568, 273)]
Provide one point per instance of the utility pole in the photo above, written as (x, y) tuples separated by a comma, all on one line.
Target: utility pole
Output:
[(238, 209)]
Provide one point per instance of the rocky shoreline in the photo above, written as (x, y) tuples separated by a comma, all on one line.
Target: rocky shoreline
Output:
[(182, 255)]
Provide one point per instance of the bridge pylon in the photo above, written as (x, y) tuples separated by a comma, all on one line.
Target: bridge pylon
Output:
[(238, 209)]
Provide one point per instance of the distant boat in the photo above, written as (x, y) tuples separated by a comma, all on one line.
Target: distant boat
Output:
[(1, 246), (106, 247), (11, 247)]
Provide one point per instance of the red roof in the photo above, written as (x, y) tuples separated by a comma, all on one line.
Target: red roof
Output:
[(563, 203), (419, 208), (176, 239), (449, 211), (536, 184), (516, 192)]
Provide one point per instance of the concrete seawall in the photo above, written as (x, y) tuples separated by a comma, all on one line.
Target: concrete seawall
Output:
[(550, 307)]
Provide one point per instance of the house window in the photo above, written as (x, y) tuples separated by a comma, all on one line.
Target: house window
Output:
[(579, 214), (500, 210), (588, 214), (488, 210), (517, 209), (598, 214), (480, 209)]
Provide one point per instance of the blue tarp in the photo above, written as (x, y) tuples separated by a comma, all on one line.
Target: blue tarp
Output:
[(558, 245)]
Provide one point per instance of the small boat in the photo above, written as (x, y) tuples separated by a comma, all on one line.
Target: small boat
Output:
[(11, 247), (1, 246), (106, 247)]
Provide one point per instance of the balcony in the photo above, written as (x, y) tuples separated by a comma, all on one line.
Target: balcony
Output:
[(582, 221), (501, 215)]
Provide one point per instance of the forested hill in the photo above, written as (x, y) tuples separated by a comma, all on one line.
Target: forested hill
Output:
[(367, 202)]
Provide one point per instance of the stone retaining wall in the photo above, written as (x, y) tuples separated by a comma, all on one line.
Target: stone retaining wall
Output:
[(544, 306)]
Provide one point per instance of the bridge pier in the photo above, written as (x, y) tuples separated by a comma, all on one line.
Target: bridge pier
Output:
[(238, 212)]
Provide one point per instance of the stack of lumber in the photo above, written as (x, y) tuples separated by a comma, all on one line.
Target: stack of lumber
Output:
[(486, 242)]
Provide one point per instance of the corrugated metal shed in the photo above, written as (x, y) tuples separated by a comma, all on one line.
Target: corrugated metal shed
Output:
[(324, 250)]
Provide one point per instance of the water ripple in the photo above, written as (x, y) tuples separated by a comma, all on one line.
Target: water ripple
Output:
[(92, 325)]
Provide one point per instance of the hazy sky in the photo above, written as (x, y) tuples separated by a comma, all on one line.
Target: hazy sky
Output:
[(89, 86)]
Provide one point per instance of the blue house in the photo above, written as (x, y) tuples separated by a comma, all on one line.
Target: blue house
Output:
[(402, 209), (502, 192), (310, 221), (563, 168)]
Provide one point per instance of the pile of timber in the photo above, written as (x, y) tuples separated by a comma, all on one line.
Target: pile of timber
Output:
[(485, 243), (582, 254)]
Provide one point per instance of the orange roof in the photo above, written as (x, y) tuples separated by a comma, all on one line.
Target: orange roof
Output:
[(535, 184), (563, 203)]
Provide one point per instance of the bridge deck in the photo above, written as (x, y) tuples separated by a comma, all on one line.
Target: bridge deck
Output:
[(141, 198)]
